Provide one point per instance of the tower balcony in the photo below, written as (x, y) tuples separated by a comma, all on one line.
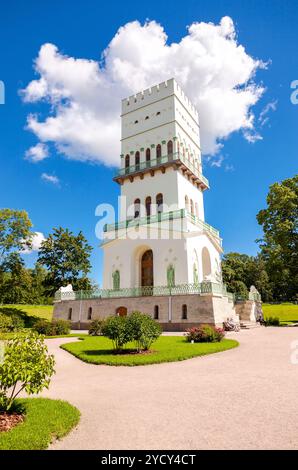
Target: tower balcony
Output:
[(119, 228), (177, 160)]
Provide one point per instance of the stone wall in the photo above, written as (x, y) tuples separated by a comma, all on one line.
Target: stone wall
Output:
[(248, 310), (199, 308)]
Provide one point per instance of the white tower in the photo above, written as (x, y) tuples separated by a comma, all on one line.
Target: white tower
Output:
[(161, 238)]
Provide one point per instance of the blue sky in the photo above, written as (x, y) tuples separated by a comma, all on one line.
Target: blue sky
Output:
[(83, 29)]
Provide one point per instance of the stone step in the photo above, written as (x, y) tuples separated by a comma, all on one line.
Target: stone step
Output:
[(247, 325)]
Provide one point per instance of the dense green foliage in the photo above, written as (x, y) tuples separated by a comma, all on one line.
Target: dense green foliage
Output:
[(99, 350), (66, 257), (205, 334), (26, 366), (15, 232), (116, 329), (274, 271), (137, 327), (272, 321), (143, 330), (242, 271), (45, 420), (95, 328), (53, 328), (279, 245)]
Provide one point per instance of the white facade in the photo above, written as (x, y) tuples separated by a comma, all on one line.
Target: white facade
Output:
[(161, 236)]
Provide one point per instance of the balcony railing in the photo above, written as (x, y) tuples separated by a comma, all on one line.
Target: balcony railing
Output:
[(202, 288), (177, 157), (161, 217)]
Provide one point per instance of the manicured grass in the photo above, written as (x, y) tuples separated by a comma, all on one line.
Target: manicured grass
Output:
[(45, 421), (98, 350), (39, 311), (286, 312)]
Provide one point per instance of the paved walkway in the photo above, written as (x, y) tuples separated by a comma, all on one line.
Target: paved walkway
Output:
[(242, 398)]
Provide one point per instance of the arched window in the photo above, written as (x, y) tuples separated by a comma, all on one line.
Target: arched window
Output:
[(184, 312), (197, 210), (137, 160), (170, 149), (159, 202), (191, 207), (171, 276), (89, 313), (148, 157), (69, 313), (148, 206), (206, 263), (116, 280), (195, 274), (156, 312), (158, 153), (137, 204), (186, 204), (127, 163)]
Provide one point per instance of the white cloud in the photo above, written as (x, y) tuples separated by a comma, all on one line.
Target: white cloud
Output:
[(37, 153), (263, 118), (50, 178), (37, 240), (84, 95)]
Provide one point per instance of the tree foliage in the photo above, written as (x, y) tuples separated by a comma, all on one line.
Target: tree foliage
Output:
[(66, 256), (26, 366), (279, 246), (15, 232)]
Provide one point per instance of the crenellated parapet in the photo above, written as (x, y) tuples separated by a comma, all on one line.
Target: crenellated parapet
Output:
[(156, 93)]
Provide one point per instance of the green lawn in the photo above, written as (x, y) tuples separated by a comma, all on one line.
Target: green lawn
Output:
[(40, 311), (98, 350), (286, 312), (45, 421)]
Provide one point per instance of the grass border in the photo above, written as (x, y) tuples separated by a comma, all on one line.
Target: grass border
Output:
[(202, 349), (45, 421)]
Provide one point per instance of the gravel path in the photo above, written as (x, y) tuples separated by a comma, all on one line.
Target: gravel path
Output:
[(242, 398)]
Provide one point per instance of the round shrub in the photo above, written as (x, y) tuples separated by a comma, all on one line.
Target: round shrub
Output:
[(116, 329), (43, 327), (6, 324), (60, 327), (143, 330), (205, 334), (53, 328), (272, 321), (95, 327)]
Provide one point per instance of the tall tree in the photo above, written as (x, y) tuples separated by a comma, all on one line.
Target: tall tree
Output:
[(279, 245), (67, 258), (15, 232)]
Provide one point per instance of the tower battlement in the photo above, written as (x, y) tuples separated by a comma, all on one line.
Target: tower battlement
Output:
[(156, 93)]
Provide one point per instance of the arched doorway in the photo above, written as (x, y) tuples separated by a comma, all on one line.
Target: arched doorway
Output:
[(147, 269), (206, 263), (121, 311)]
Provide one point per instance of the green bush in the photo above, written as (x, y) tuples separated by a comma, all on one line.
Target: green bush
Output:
[(272, 321), (10, 322), (95, 327), (60, 327), (116, 329), (205, 334), (6, 324), (53, 328), (143, 330), (26, 366)]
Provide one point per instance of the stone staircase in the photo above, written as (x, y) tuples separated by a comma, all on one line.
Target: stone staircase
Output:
[(248, 325)]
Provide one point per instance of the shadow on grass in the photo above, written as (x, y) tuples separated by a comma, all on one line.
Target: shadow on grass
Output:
[(29, 320), (110, 352)]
